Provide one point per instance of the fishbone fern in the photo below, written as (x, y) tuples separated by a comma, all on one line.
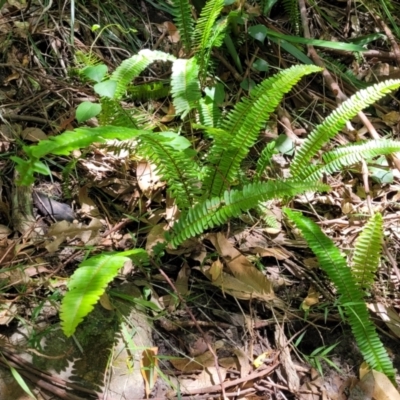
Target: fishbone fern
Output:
[(217, 210), (332, 262), (367, 252), (345, 156), (184, 22), (335, 122), (244, 123)]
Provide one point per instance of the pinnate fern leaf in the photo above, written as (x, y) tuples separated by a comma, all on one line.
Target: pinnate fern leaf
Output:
[(88, 283), (185, 86), (345, 156), (184, 22), (132, 67), (175, 164), (65, 143), (367, 252), (336, 121), (217, 210), (332, 262), (244, 124)]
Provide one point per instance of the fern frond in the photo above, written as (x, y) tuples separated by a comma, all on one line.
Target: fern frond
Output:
[(292, 11), (184, 22), (112, 113), (345, 156), (332, 262), (132, 67), (264, 160), (209, 113), (175, 165), (244, 124), (367, 252), (216, 40), (88, 283), (65, 143), (336, 121), (185, 85), (233, 203), (148, 91), (204, 30)]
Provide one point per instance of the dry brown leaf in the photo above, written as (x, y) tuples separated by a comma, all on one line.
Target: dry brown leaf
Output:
[(148, 368), (182, 281), (171, 114), (382, 387), (173, 33), (247, 279), (194, 363), (388, 315), (155, 236), (64, 229), (7, 313), (208, 377), (276, 252), (148, 179), (311, 299), (88, 206), (105, 302), (244, 363), (33, 135)]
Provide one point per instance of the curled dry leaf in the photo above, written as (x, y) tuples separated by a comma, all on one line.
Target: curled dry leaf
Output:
[(148, 368)]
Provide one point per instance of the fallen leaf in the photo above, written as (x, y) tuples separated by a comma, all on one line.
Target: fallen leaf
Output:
[(311, 299), (88, 206), (148, 180), (246, 277), (33, 135), (388, 315), (148, 368)]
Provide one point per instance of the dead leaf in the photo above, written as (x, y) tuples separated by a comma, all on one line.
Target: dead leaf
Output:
[(382, 387), (7, 313), (276, 252), (148, 368), (155, 236), (388, 315), (148, 180), (208, 377), (193, 363), (182, 281), (171, 114), (311, 299), (173, 33), (246, 279), (105, 302), (33, 135), (244, 363), (88, 206)]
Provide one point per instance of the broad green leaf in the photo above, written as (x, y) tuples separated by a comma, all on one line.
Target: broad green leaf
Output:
[(95, 73), (106, 88), (87, 110)]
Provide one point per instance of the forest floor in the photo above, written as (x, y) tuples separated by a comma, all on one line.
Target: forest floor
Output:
[(94, 201)]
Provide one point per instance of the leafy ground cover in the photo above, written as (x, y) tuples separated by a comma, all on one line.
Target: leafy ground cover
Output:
[(248, 302)]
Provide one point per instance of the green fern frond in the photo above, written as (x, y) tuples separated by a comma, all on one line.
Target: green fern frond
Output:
[(112, 113), (185, 86), (264, 160), (204, 30), (345, 156), (292, 11), (233, 203), (175, 165), (209, 113), (332, 262), (184, 22), (367, 252), (336, 121), (148, 91), (132, 67), (65, 143), (215, 41), (244, 124), (88, 283)]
